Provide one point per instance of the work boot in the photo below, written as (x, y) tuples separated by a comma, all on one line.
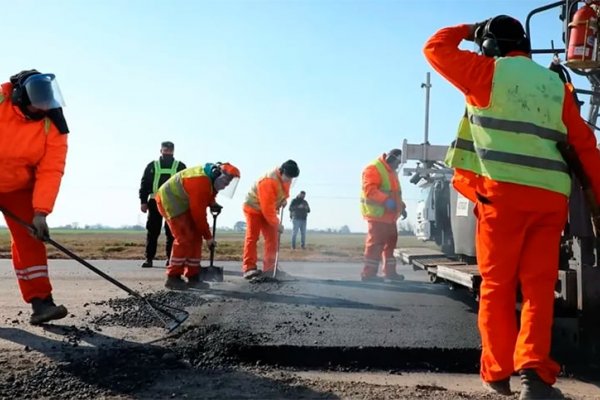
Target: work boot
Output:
[(45, 311), (394, 276), (501, 387), (251, 273), (196, 283), (175, 283), (371, 278), (147, 264), (533, 387)]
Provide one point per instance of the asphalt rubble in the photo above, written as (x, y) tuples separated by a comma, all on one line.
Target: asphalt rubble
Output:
[(124, 369)]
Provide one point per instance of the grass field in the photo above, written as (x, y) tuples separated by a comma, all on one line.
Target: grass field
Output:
[(129, 245)]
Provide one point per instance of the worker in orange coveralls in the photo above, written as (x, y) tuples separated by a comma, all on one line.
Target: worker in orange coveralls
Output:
[(33, 135), (266, 196), (381, 206), (506, 162), (182, 200)]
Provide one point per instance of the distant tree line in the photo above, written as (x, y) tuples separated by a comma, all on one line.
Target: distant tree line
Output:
[(98, 227)]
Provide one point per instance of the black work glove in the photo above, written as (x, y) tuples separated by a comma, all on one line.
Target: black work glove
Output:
[(404, 214), (476, 34), (216, 208), (40, 231)]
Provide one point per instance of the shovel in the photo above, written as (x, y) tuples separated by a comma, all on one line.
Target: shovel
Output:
[(273, 278), (171, 317), (212, 273)]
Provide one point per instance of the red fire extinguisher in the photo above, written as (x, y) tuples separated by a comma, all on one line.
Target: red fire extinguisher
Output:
[(583, 37)]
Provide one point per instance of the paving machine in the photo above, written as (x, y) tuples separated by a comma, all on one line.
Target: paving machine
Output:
[(446, 217)]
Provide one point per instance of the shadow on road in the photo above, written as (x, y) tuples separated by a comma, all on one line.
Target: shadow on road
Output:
[(106, 366)]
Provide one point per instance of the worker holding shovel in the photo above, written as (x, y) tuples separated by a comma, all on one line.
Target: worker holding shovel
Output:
[(182, 201), (33, 135), (266, 196)]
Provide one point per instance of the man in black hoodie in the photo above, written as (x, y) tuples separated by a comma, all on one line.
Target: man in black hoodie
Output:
[(299, 210), (156, 173)]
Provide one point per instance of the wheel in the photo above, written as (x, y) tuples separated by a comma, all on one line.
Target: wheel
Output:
[(433, 278)]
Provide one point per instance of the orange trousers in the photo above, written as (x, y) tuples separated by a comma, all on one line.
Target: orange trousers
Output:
[(28, 254), (517, 248), (379, 247), (255, 225), (187, 245)]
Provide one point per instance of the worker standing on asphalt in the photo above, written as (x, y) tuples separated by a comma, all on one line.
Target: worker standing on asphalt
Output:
[(156, 173), (506, 161), (299, 210), (265, 198), (33, 135), (381, 206), (183, 201)]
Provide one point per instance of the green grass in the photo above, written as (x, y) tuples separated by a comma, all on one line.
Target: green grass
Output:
[(130, 244)]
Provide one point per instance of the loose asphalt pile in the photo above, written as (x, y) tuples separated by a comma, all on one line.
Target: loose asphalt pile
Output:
[(131, 312), (121, 369)]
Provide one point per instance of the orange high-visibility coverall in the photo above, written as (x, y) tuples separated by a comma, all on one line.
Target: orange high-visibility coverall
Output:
[(31, 169), (260, 208), (518, 230), (382, 232), (190, 226)]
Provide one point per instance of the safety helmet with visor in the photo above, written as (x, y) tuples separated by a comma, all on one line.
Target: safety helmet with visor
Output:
[(43, 91), (227, 179)]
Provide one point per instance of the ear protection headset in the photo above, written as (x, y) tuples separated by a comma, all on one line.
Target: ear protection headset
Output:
[(19, 96), (216, 170), (489, 41)]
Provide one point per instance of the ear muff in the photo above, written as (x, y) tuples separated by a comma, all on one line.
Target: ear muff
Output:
[(17, 95), (216, 170), (489, 44)]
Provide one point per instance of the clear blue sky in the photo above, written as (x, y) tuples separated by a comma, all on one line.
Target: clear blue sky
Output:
[(331, 84)]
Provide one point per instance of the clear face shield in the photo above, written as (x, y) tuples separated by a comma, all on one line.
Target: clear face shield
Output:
[(226, 185), (288, 180), (43, 92), (394, 161)]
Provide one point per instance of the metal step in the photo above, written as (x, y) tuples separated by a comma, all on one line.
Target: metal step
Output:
[(409, 254), (464, 275)]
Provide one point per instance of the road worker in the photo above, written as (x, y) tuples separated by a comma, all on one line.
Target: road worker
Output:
[(381, 206), (155, 174), (266, 197), (183, 201), (506, 161), (33, 134)]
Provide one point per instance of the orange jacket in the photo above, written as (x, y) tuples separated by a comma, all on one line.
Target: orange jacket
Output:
[(201, 196), (473, 74), (189, 192), (269, 200), (33, 156), (371, 186)]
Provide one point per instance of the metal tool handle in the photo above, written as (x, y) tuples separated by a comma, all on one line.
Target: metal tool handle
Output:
[(278, 243), (214, 214)]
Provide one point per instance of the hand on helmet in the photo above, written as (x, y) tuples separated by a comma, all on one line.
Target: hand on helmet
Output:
[(476, 32), (40, 231)]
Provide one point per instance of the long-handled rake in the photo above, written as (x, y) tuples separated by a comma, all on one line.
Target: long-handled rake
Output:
[(164, 312)]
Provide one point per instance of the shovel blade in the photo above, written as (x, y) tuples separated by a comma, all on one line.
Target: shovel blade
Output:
[(211, 274)]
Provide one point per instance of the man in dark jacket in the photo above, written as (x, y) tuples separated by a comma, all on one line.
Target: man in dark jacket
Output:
[(299, 210), (156, 173)]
